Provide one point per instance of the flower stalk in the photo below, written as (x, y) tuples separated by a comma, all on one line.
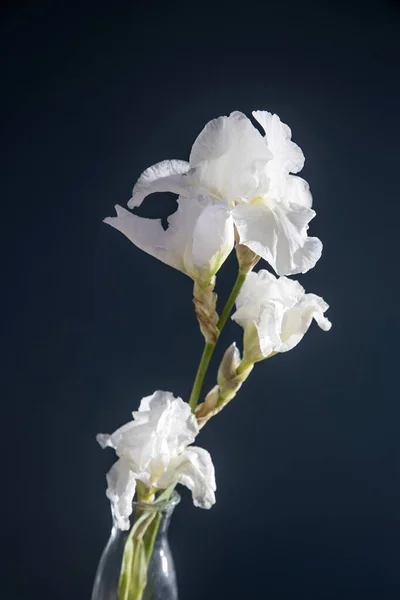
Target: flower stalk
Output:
[(241, 278), (232, 373), (200, 375), (210, 346), (238, 190)]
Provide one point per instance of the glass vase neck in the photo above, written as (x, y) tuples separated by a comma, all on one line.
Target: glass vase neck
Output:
[(137, 563), (165, 509)]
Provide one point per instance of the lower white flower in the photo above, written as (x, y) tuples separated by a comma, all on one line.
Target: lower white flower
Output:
[(275, 313), (198, 240), (153, 449)]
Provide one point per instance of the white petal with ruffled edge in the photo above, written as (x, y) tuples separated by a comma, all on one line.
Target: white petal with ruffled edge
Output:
[(162, 428), (287, 156), (121, 491), (278, 233), (195, 470), (298, 319), (297, 191), (171, 420), (225, 156), (165, 176)]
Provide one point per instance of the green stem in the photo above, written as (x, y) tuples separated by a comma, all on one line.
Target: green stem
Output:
[(231, 300), (209, 348), (243, 366), (201, 373)]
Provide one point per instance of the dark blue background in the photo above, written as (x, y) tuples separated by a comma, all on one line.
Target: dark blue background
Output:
[(307, 457)]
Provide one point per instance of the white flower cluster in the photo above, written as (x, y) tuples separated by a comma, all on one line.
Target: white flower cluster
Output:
[(235, 178), (238, 188), (155, 449)]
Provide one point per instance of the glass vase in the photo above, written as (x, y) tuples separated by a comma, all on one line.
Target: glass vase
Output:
[(137, 564)]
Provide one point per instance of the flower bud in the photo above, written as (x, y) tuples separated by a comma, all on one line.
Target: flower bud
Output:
[(205, 301), (206, 409), (231, 374), (227, 370)]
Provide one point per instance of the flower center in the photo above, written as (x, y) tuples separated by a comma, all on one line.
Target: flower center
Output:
[(263, 201)]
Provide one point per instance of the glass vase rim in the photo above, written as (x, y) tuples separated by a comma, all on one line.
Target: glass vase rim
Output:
[(163, 505)]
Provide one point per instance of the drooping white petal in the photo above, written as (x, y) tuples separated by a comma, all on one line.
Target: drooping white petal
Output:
[(147, 234), (298, 319), (278, 233), (287, 156), (198, 240), (121, 491), (275, 313), (195, 470), (165, 176), (225, 154)]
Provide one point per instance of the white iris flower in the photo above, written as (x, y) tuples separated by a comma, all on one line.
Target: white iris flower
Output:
[(154, 449)]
